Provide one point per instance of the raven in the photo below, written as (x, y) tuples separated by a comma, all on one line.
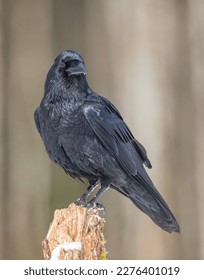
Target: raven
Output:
[(85, 134)]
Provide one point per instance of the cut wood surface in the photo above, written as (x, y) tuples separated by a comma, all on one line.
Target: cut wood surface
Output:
[(76, 233)]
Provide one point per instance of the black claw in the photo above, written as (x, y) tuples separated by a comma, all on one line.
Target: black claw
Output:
[(90, 205), (101, 207), (97, 205), (80, 202)]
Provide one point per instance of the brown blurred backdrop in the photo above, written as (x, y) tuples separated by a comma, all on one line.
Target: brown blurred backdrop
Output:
[(147, 57)]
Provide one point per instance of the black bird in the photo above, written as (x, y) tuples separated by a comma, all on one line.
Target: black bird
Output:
[(85, 134)]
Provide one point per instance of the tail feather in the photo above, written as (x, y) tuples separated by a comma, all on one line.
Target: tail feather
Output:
[(162, 217), (145, 196)]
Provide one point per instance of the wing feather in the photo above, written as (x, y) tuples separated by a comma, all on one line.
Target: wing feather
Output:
[(115, 136)]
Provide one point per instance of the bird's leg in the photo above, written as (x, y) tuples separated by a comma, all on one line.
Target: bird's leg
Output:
[(94, 201), (88, 191)]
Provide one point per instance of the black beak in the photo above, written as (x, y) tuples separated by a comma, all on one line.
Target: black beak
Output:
[(77, 69)]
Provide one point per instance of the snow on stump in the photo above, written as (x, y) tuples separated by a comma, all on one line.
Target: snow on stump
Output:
[(76, 233)]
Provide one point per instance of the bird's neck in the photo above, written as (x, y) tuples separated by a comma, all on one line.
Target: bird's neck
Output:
[(78, 83), (76, 89)]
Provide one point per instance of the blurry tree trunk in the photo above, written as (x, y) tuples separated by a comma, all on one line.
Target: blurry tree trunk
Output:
[(22, 189), (196, 39), (2, 103), (4, 118), (179, 133)]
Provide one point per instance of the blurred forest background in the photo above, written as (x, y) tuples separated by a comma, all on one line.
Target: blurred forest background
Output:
[(147, 57)]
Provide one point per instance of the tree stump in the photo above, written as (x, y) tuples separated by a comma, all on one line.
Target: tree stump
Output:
[(76, 233)]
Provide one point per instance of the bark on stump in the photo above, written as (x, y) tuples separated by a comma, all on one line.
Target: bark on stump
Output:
[(76, 233)]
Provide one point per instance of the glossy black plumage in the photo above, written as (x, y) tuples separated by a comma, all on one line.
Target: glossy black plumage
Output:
[(85, 134)]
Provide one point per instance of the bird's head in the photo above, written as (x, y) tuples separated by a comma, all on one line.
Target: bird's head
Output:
[(67, 70), (70, 64), (68, 67)]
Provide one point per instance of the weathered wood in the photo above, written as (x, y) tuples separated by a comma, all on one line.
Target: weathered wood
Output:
[(75, 233)]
